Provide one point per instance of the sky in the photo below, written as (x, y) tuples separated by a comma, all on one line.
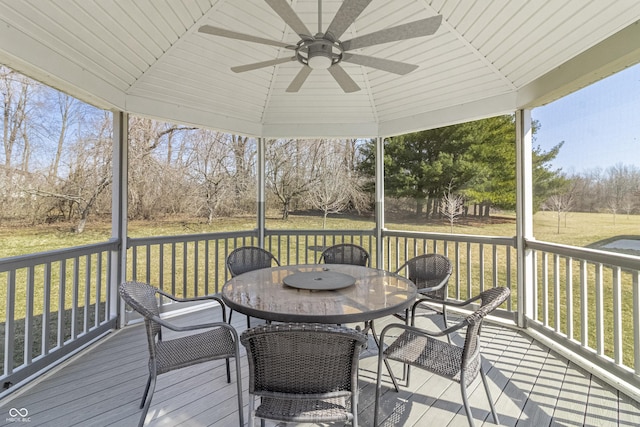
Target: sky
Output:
[(600, 124)]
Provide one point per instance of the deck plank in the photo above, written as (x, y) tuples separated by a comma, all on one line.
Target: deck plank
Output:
[(602, 404), (628, 411), (544, 393), (529, 384), (571, 404)]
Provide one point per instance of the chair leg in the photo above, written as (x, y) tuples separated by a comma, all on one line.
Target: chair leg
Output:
[(252, 410), (386, 362), (486, 388), (146, 391), (152, 380), (230, 315), (354, 407), (378, 387), (444, 316), (465, 401), (239, 386)]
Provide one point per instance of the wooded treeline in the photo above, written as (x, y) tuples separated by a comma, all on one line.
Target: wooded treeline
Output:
[(57, 166)]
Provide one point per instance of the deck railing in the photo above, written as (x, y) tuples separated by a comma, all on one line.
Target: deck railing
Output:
[(589, 300), (479, 262), (55, 302)]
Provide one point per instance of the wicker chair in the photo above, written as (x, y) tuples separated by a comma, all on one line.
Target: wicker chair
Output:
[(345, 253), (248, 258), (418, 347), (430, 273), (219, 341), (305, 373)]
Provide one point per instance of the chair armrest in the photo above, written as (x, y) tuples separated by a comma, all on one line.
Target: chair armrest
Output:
[(425, 298), (421, 331), (442, 283), (177, 328), (202, 298)]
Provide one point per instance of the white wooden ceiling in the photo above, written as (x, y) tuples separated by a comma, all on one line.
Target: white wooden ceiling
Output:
[(147, 57)]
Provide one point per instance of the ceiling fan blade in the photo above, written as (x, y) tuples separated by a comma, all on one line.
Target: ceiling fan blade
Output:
[(208, 29), (344, 80), (299, 79), (388, 65), (288, 15), (346, 15), (423, 27), (255, 66)]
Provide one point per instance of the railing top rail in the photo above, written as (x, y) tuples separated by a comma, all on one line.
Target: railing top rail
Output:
[(154, 240), (465, 238), (629, 262), (354, 232), (23, 261)]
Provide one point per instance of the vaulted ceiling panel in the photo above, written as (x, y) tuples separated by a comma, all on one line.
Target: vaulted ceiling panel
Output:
[(149, 57)]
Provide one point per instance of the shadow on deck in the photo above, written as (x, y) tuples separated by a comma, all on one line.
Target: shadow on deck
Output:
[(530, 385)]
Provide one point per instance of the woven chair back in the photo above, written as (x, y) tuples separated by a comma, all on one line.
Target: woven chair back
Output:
[(142, 297), (302, 358), (345, 253), (249, 258), (490, 300), (429, 271)]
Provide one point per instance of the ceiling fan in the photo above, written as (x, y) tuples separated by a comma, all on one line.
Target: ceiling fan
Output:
[(326, 50)]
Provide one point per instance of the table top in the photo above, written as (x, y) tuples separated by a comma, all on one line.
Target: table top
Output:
[(263, 294)]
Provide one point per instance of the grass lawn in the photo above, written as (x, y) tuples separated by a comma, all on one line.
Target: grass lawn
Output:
[(577, 229)]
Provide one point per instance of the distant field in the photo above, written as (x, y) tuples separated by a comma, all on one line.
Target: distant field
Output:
[(577, 229)]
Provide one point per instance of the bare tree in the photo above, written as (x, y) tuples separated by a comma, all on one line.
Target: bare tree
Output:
[(452, 206), (291, 170), (560, 204), (242, 168), (16, 93), (210, 172), (337, 187)]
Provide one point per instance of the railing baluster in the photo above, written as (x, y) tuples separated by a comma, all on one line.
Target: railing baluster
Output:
[(481, 264), (28, 316), (536, 285), (206, 267), (617, 315), (457, 267), (584, 306), (556, 292), (46, 309), (545, 289), (10, 324), (185, 267), (99, 270), (599, 311), (148, 266), (62, 291), (494, 266), (469, 293), (74, 297), (174, 266), (636, 321), (87, 293), (508, 273), (569, 296), (196, 265)]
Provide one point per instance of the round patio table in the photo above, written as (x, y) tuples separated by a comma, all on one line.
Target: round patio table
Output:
[(318, 293)]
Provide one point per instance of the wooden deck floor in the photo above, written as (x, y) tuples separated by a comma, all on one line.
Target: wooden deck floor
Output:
[(530, 385)]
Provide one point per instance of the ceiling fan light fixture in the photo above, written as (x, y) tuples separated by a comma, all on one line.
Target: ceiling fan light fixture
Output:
[(319, 62)]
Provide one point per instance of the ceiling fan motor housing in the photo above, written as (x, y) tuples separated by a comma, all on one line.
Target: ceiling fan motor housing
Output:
[(320, 52)]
